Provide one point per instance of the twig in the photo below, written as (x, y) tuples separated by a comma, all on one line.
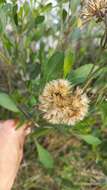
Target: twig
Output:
[(27, 115)]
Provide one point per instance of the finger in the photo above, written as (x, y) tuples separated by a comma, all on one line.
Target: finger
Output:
[(9, 123), (22, 132), (7, 126), (28, 131), (1, 123), (25, 129)]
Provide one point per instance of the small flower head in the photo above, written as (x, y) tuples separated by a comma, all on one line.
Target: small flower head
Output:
[(60, 105), (94, 9)]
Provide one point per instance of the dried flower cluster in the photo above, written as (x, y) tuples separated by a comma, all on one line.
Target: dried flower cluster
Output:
[(96, 9), (61, 105)]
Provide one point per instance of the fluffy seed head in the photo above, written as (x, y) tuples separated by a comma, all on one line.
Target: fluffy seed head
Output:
[(94, 9), (61, 105)]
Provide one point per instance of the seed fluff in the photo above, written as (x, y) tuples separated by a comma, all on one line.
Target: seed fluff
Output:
[(60, 104), (94, 9)]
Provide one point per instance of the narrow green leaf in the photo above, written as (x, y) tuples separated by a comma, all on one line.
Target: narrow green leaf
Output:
[(103, 112), (39, 20), (15, 16), (79, 75), (46, 7), (68, 62), (2, 1), (64, 15), (45, 157), (6, 102), (7, 42), (41, 131), (53, 69), (90, 139), (5, 12)]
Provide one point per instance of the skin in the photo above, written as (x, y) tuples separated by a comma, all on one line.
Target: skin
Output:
[(11, 151)]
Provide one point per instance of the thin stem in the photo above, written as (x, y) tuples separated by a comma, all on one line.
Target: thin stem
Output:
[(91, 78), (27, 115), (90, 75), (101, 93), (62, 26)]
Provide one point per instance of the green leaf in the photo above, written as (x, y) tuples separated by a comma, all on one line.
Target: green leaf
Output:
[(5, 11), (103, 112), (15, 16), (6, 102), (39, 20), (45, 157), (46, 7), (90, 139), (64, 15), (7, 42), (2, 1), (53, 69), (79, 75), (74, 5), (68, 62), (41, 131)]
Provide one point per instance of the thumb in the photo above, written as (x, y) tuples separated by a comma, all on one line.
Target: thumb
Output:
[(22, 132)]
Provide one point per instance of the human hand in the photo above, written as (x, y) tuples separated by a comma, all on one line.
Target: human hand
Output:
[(11, 151)]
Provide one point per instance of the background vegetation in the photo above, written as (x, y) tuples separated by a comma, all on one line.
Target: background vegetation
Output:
[(41, 40)]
